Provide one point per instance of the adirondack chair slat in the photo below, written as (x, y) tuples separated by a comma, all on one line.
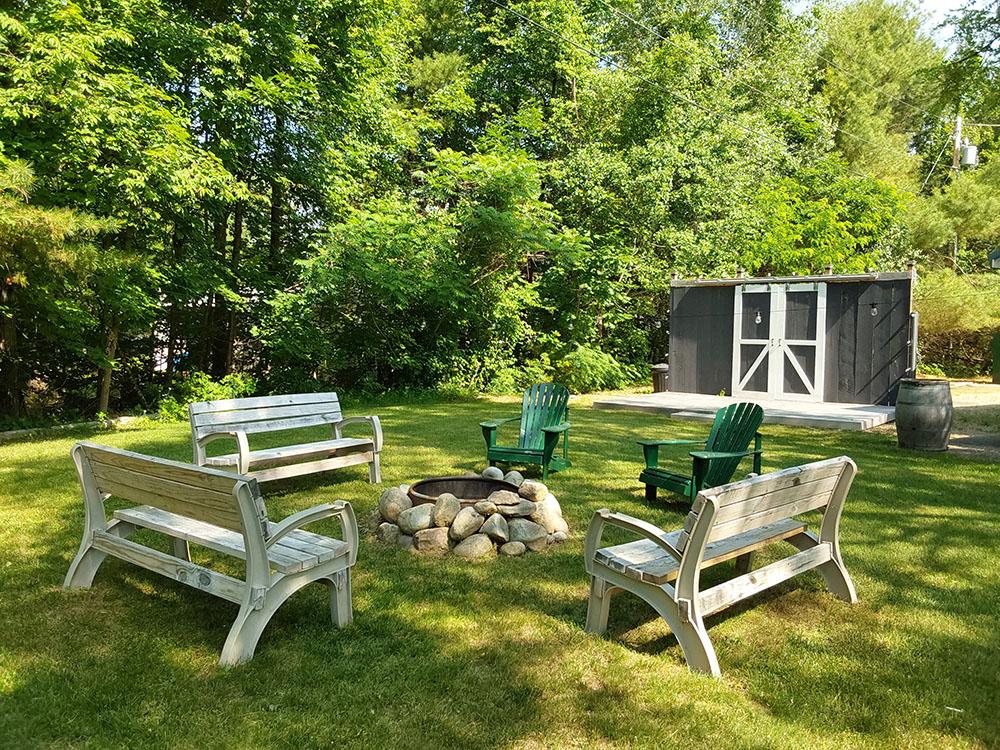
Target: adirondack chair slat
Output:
[(544, 406), (734, 429)]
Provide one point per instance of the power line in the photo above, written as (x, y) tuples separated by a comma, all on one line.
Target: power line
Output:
[(654, 32), (936, 161), (608, 60), (913, 107)]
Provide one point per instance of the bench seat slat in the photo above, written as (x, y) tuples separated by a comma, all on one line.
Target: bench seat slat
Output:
[(297, 551), (644, 561), (294, 453)]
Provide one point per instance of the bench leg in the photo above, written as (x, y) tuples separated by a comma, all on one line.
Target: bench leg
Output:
[(88, 559), (182, 549), (838, 580), (375, 470), (650, 493), (691, 635), (744, 563), (598, 606), (340, 598)]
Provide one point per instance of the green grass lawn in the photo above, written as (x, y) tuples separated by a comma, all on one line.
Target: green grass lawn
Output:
[(444, 653)]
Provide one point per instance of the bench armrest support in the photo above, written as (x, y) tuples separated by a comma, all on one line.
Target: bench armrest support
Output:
[(340, 509), (242, 446), (373, 421), (644, 529)]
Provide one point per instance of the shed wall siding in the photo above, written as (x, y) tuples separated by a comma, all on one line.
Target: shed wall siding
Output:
[(866, 355), (701, 339)]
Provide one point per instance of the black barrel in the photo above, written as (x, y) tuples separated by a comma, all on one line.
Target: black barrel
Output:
[(923, 414)]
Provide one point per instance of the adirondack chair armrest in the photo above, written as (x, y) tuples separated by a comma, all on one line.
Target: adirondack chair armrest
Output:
[(713, 455), (642, 528), (242, 447), (373, 421), (494, 423), (651, 449), (670, 442), (557, 428), (340, 509)]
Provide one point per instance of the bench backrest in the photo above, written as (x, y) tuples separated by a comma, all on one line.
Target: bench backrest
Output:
[(543, 405), (730, 509), (264, 413), (208, 495)]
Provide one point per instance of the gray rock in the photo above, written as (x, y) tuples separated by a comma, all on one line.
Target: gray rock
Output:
[(446, 507), (392, 502), (514, 477), (548, 514), (387, 532), (532, 490), (466, 523), (522, 509), (416, 518), (504, 497), (538, 545), (485, 508), (474, 547), (496, 528), (559, 536), (523, 530), (404, 487), (431, 540), (492, 472), (512, 549), (405, 541)]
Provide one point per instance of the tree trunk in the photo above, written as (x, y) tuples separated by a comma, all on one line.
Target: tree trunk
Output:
[(215, 332), (277, 192), (11, 388), (235, 267), (104, 374)]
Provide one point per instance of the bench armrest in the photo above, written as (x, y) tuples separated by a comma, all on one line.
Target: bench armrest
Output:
[(651, 449), (638, 526), (374, 422), (557, 428), (242, 446), (340, 509)]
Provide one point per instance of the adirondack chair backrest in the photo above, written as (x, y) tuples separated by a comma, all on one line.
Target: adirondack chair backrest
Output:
[(197, 492), (544, 405), (264, 413), (733, 430)]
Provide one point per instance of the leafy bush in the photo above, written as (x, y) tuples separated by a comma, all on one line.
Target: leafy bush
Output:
[(585, 369), (199, 386), (958, 316)]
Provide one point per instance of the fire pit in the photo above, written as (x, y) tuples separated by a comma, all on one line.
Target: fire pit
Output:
[(472, 516), (468, 489)]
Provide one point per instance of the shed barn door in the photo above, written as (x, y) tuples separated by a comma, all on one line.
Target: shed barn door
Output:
[(778, 342)]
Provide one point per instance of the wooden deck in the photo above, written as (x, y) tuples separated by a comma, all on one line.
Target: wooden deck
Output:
[(798, 413)]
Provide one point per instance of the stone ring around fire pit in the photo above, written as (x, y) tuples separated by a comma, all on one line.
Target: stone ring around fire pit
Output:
[(472, 516)]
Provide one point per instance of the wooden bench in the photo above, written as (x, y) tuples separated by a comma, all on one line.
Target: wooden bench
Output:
[(726, 522), (218, 510), (239, 417)]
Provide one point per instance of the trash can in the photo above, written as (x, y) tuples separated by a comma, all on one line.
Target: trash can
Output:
[(661, 374)]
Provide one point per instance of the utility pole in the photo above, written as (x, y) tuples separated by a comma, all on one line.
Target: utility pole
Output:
[(956, 165)]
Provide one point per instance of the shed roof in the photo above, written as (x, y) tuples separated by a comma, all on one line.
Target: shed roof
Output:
[(827, 278)]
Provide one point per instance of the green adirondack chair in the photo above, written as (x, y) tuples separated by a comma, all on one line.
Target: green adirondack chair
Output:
[(544, 418), (727, 444)]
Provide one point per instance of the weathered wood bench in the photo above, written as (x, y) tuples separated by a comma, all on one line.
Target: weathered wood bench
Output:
[(726, 522), (239, 417), (218, 510)]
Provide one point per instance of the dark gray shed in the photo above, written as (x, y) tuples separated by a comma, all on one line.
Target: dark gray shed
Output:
[(847, 338)]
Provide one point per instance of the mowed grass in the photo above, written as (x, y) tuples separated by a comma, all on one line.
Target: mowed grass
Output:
[(447, 654)]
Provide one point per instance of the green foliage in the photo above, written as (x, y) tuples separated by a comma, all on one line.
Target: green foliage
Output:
[(958, 317), (584, 369), (198, 386)]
